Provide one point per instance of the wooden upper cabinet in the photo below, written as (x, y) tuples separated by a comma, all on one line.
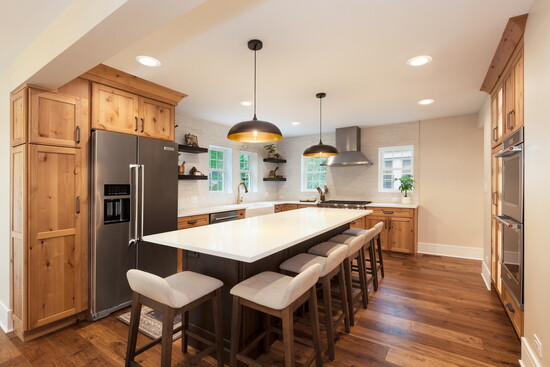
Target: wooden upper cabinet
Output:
[(497, 121), (518, 92), (19, 117), (55, 119), (114, 109), (123, 112), (156, 119), (54, 234)]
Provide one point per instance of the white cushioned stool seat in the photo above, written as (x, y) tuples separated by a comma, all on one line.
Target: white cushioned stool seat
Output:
[(378, 227), (354, 232), (354, 242), (176, 291), (324, 248), (274, 290), (301, 262), (365, 234)]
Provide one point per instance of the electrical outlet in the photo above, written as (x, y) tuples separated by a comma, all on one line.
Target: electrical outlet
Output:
[(538, 345)]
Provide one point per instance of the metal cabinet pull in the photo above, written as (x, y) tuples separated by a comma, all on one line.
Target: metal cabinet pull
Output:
[(78, 135), (78, 205), (494, 198), (509, 126), (510, 308), (387, 212), (192, 222), (136, 129), (142, 124), (495, 134)]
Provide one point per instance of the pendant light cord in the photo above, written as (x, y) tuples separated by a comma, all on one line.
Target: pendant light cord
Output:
[(320, 119), (254, 85)]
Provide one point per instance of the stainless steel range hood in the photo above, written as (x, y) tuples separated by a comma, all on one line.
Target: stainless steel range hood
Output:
[(348, 143)]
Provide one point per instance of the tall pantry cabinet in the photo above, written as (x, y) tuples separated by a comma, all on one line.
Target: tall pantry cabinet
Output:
[(49, 136)]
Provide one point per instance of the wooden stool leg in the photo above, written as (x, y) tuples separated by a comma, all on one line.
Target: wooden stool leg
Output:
[(315, 326), (235, 330), (288, 334), (218, 328), (167, 336), (349, 289), (266, 346), (373, 265), (379, 246), (343, 298), (329, 325), (184, 336), (135, 316), (363, 279)]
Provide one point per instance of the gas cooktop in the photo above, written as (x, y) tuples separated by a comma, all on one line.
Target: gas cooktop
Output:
[(344, 204)]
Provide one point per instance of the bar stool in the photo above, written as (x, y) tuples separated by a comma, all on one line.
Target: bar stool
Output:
[(332, 265), (377, 242), (276, 295), (355, 252), (368, 246), (174, 295)]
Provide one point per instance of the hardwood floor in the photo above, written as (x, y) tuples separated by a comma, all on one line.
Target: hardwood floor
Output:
[(428, 311)]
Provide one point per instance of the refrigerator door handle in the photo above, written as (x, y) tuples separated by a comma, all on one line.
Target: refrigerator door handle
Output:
[(134, 200), (142, 187)]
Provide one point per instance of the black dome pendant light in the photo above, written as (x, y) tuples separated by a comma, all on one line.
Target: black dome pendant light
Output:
[(320, 150), (255, 131)]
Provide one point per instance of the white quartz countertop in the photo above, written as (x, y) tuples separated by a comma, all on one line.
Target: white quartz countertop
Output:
[(225, 208), (252, 239)]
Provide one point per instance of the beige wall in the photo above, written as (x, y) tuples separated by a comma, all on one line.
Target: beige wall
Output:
[(537, 177), (192, 194), (451, 162), (355, 182)]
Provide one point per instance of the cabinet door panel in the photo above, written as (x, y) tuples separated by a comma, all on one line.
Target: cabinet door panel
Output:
[(54, 119), (509, 103), (19, 117), (518, 93), (384, 235), (54, 234), (402, 235), (114, 110), (156, 119)]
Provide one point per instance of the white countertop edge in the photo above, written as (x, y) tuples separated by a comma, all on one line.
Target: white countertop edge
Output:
[(229, 207), (153, 239)]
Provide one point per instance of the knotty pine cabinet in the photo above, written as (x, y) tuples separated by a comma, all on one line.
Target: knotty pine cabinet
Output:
[(48, 210), (120, 111), (399, 233)]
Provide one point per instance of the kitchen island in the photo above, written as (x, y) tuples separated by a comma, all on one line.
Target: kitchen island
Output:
[(234, 251)]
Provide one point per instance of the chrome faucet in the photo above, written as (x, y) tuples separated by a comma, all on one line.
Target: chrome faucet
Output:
[(239, 196)]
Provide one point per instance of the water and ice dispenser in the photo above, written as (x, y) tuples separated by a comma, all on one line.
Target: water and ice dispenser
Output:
[(116, 209)]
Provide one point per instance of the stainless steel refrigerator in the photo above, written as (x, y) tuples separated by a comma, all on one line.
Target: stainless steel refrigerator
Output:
[(134, 194)]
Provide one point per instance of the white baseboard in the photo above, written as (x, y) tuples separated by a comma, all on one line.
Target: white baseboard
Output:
[(475, 253), (528, 356), (486, 275), (6, 322)]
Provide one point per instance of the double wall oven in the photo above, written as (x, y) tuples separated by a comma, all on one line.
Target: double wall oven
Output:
[(511, 219)]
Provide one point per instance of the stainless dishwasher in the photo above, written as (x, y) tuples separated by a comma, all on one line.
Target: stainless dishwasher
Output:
[(224, 216)]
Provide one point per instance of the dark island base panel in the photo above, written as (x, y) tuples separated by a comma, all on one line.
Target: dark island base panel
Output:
[(231, 272)]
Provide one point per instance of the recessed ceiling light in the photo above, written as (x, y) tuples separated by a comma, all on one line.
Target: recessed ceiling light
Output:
[(295, 123), (246, 103), (426, 101), (148, 61), (419, 60)]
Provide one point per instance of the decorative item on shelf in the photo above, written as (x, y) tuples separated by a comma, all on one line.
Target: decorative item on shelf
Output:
[(195, 172), (406, 184), (181, 169), (273, 172), (320, 150), (191, 140), (255, 131), (272, 151)]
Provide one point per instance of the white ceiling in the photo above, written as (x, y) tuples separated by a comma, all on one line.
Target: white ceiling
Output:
[(21, 21), (354, 50)]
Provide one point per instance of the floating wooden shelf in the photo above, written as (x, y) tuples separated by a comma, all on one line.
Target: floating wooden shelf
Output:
[(192, 177), (274, 179), (274, 160), (191, 149)]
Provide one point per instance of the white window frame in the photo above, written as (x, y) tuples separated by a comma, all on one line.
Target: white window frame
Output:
[(381, 169), (252, 169), (227, 169), (304, 174)]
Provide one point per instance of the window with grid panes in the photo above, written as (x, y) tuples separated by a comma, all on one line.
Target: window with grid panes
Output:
[(219, 169), (248, 167), (313, 174), (394, 162)]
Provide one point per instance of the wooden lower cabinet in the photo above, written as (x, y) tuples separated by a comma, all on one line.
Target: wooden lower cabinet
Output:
[(371, 221), (399, 233), (358, 223), (290, 207), (46, 237)]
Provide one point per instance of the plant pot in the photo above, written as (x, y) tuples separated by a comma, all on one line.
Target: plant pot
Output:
[(271, 155), (406, 200)]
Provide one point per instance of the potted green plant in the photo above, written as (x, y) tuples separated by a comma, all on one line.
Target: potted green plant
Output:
[(271, 150), (406, 184)]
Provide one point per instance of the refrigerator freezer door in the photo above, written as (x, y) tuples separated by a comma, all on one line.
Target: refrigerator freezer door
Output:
[(159, 162), (111, 254)]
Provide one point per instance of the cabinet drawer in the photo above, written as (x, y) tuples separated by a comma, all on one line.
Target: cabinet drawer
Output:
[(396, 212), (240, 213), (192, 221), (290, 207), (516, 316), (279, 208)]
